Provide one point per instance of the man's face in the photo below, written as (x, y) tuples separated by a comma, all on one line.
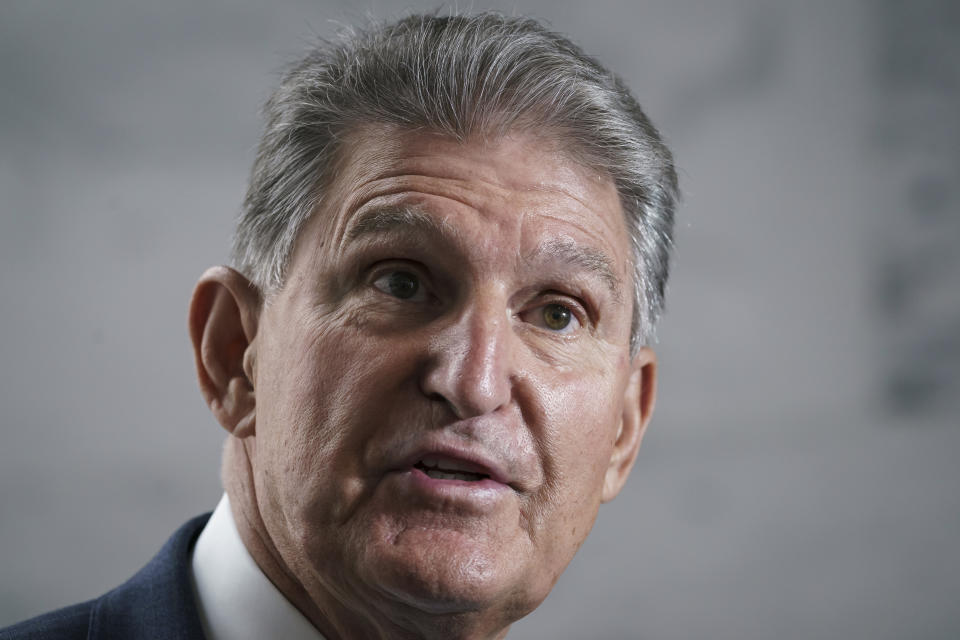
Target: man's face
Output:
[(441, 382)]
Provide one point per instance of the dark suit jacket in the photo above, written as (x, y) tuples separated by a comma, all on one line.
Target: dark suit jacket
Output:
[(157, 603)]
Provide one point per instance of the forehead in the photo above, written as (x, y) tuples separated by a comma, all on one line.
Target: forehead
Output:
[(520, 190)]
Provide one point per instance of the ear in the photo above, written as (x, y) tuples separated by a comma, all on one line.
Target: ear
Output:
[(639, 397), (223, 320)]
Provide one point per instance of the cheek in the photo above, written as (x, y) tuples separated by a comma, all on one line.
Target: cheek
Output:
[(579, 426), (584, 441), (318, 385), (582, 407)]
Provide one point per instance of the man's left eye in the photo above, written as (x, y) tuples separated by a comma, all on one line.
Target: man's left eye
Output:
[(555, 317), (400, 284)]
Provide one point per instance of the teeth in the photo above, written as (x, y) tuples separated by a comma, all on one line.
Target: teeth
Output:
[(446, 469)]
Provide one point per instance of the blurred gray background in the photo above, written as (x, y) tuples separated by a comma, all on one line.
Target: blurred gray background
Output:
[(800, 478)]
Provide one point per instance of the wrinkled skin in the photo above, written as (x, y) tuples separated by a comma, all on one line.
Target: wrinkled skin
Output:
[(469, 300)]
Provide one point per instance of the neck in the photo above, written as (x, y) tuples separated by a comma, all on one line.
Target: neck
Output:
[(333, 617)]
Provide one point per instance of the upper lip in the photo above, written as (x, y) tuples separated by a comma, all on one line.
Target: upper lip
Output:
[(460, 458)]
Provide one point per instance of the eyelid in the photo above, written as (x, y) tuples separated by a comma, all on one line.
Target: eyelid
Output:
[(380, 267), (578, 306)]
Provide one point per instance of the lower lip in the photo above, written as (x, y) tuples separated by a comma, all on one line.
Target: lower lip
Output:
[(478, 492)]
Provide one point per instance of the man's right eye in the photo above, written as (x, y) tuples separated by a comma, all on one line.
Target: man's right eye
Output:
[(400, 284)]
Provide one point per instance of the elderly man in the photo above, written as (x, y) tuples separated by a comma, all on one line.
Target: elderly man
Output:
[(431, 355)]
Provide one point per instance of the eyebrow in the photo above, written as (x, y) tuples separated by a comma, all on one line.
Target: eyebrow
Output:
[(587, 258), (413, 221)]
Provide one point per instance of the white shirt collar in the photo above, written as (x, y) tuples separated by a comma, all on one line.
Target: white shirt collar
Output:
[(236, 600)]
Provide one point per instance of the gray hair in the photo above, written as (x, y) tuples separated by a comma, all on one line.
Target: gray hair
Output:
[(485, 74)]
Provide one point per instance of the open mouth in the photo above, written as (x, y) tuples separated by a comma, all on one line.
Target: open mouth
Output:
[(448, 469)]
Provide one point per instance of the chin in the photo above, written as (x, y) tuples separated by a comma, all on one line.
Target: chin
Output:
[(446, 572)]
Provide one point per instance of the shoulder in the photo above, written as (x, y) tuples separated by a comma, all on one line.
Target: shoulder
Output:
[(63, 624), (157, 602)]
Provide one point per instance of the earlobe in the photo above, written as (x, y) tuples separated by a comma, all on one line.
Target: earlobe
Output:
[(224, 312), (639, 398)]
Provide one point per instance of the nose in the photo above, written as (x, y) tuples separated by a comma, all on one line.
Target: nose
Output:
[(469, 362)]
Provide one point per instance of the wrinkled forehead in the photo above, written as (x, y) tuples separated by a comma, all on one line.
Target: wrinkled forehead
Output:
[(521, 162)]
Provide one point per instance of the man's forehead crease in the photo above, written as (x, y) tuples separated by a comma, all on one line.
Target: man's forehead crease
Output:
[(403, 219)]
